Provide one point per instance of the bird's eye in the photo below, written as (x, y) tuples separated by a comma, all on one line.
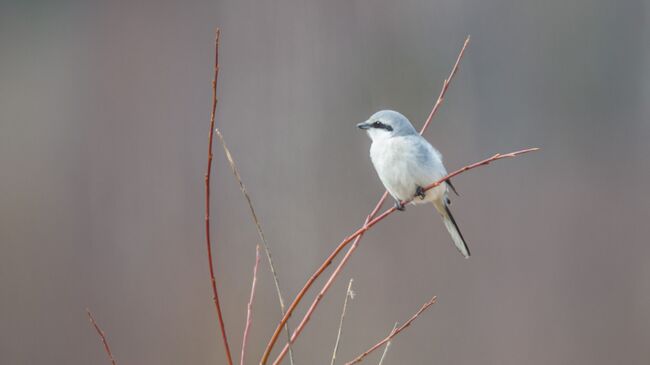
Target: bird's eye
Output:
[(376, 124)]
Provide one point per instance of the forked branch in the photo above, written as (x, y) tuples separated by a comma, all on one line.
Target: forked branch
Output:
[(393, 333)]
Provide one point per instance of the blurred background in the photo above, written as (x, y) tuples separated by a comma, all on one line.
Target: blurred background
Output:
[(104, 111)]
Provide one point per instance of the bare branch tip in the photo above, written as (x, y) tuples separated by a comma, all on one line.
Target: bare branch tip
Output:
[(533, 149), (208, 243), (102, 336)]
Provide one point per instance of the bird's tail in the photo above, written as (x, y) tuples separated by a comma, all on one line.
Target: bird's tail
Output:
[(443, 208)]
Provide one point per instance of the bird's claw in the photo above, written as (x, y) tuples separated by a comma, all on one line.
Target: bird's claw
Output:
[(399, 206), (419, 192)]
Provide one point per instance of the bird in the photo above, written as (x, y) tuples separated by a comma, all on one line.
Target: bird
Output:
[(406, 163)]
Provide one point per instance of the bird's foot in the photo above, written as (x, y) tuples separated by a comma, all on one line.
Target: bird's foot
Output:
[(399, 206), (419, 192)]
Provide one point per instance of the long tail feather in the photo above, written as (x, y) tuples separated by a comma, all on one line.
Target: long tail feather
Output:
[(452, 227), (453, 188)]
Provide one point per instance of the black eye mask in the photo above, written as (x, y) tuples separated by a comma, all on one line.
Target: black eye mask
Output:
[(380, 125)]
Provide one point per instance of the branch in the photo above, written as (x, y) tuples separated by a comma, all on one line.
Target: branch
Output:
[(383, 355), (260, 233), (393, 333), (249, 314), (328, 261), (102, 335), (215, 292), (348, 294)]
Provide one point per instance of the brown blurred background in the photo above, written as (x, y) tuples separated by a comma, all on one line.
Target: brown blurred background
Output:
[(103, 128)]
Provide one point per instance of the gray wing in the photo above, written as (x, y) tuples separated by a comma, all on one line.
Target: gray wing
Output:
[(427, 167)]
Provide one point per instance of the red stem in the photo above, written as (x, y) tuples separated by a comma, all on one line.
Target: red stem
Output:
[(102, 335), (213, 282)]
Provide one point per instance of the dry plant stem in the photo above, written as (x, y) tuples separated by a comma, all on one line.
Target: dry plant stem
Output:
[(393, 333), (215, 292), (383, 355), (260, 233), (102, 335), (356, 236), (249, 312), (328, 261), (348, 295)]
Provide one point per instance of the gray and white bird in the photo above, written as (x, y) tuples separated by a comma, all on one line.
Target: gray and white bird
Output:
[(406, 163)]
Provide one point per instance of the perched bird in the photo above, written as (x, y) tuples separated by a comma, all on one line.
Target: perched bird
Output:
[(406, 163)]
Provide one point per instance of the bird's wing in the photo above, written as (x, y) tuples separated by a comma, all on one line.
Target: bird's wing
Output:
[(426, 166)]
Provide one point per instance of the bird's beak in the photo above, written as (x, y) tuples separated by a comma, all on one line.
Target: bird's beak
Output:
[(363, 125)]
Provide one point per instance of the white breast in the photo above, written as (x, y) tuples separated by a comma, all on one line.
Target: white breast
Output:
[(406, 162)]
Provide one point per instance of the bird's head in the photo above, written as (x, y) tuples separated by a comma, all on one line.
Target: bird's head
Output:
[(387, 124)]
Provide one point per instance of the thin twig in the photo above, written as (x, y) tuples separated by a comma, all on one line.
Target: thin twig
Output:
[(348, 294), (356, 236), (383, 355), (393, 333), (102, 335), (249, 312), (445, 86), (260, 233), (328, 261), (213, 282)]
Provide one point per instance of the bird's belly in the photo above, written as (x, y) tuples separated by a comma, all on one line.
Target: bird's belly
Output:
[(398, 183), (402, 181), (402, 172)]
